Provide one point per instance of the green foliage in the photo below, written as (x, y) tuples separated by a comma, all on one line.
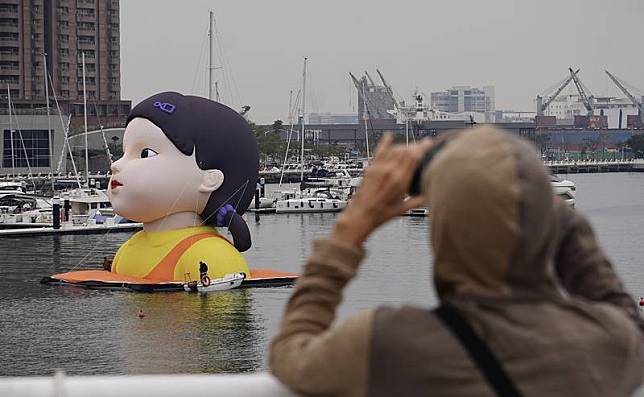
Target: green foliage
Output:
[(636, 142), (271, 146)]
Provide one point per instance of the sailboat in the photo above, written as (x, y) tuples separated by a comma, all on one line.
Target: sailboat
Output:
[(320, 200)]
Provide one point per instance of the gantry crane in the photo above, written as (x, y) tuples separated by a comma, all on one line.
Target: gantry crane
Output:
[(388, 88), (587, 100), (638, 104), (542, 106)]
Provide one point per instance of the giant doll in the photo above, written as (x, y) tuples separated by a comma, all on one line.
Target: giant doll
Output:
[(189, 164)]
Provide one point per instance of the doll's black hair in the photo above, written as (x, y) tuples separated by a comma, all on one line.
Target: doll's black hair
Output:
[(222, 139)]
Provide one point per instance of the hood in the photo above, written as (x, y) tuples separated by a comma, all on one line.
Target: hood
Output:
[(492, 217)]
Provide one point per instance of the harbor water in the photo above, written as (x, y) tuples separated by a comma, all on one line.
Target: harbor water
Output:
[(44, 327)]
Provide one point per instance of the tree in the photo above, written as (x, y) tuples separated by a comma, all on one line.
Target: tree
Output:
[(636, 143), (269, 142)]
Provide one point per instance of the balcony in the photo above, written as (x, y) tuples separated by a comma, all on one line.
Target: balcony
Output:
[(85, 31), (9, 70), (10, 83), (9, 27), (84, 45), (8, 14), (84, 17), (9, 41)]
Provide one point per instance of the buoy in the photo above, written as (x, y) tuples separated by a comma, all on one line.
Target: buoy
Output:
[(641, 301), (141, 315)]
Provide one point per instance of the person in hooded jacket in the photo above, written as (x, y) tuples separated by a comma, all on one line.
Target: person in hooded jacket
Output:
[(523, 270)]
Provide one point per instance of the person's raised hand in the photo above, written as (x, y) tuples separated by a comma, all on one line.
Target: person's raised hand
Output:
[(382, 194)]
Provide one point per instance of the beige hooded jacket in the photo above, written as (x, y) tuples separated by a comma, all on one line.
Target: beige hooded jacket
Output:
[(526, 272)]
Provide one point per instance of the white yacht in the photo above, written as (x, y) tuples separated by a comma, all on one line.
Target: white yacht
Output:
[(320, 201), (564, 188), (19, 208), (12, 187)]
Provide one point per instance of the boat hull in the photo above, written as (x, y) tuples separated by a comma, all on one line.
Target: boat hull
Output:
[(300, 206)]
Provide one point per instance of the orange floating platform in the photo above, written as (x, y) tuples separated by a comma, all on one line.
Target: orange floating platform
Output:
[(103, 279)]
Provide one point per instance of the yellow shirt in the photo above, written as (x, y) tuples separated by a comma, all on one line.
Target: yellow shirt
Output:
[(139, 255)]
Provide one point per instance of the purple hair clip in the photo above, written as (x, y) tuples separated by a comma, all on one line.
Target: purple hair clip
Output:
[(165, 107), (221, 214)]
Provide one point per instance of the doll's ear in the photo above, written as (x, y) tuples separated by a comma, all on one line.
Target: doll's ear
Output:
[(211, 181)]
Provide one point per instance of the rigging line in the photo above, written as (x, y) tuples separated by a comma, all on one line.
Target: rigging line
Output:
[(107, 148), (226, 200), (227, 66), (62, 124), (91, 250), (162, 223), (199, 61), (23, 146), (66, 133), (290, 133), (174, 203)]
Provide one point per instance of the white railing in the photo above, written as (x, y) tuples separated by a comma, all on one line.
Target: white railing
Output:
[(255, 385), (591, 162)]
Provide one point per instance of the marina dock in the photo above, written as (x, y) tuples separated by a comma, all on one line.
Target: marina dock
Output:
[(591, 166), (84, 229)]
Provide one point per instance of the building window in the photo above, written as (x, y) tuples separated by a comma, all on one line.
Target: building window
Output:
[(8, 36), (86, 40), (85, 12), (9, 50), (33, 143), (63, 52), (86, 26), (89, 54), (8, 7), (63, 38)]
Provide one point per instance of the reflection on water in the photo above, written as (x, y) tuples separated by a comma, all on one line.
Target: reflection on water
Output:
[(44, 327)]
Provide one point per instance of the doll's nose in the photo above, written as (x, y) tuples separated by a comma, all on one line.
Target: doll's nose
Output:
[(116, 166)]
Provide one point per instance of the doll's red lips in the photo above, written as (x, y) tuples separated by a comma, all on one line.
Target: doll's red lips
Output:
[(114, 184)]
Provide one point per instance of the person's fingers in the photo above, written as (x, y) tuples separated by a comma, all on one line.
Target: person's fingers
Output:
[(412, 202), (383, 144)]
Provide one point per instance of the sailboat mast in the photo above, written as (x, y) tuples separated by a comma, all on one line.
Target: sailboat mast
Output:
[(365, 114), (49, 131), (13, 158), (302, 121), (85, 116), (211, 62)]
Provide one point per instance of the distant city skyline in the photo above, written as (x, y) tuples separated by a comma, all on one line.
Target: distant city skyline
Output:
[(521, 48)]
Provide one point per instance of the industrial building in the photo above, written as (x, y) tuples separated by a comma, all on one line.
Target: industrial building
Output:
[(460, 99), (333, 118)]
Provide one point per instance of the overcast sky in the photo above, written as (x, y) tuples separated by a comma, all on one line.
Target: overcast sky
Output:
[(521, 47)]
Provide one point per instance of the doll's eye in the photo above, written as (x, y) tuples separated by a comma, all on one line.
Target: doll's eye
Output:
[(147, 152)]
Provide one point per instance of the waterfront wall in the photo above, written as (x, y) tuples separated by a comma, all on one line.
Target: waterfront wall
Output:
[(252, 385)]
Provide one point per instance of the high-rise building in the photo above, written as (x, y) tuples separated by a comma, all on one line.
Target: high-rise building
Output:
[(58, 34), (64, 30), (460, 99)]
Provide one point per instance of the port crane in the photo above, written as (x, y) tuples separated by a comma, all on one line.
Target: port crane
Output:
[(542, 106), (388, 88), (638, 104), (586, 100)]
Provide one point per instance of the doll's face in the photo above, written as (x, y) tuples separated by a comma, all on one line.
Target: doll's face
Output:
[(154, 179)]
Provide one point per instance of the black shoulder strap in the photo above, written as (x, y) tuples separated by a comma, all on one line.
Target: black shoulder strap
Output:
[(478, 351)]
